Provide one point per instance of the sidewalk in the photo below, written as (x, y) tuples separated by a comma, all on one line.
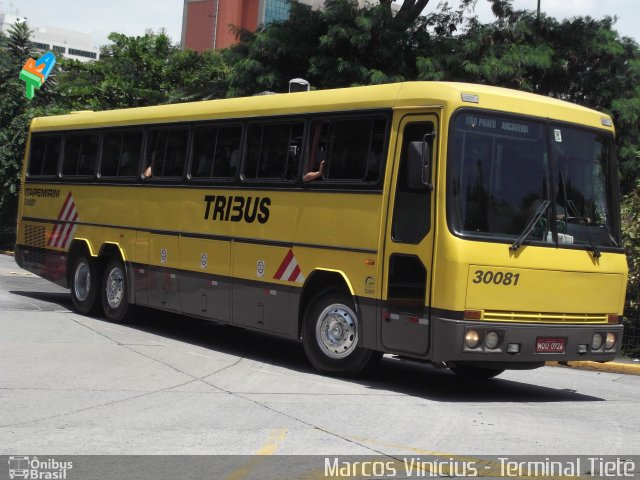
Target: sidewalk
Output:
[(621, 365)]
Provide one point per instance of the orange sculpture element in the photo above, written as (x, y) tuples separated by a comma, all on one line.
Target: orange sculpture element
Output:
[(31, 67)]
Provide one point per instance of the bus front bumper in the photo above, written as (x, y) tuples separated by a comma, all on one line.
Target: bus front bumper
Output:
[(520, 345)]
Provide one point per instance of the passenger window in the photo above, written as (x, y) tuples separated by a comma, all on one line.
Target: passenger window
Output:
[(45, 154), (121, 154), (352, 149), (274, 151), (216, 151), (80, 154), (167, 151)]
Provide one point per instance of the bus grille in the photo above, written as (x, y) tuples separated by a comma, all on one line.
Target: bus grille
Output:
[(34, 235), (544, 317)]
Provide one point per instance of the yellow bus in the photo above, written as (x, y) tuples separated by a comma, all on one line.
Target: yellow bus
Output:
[(469, 226)]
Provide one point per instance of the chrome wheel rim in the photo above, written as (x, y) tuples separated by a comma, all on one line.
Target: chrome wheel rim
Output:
[(115, 287), (337, 331), (82, 281)]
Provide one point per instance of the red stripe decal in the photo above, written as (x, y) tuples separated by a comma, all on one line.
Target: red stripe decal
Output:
[(294, 275), (283, 266), (66, 237), (64, 206)]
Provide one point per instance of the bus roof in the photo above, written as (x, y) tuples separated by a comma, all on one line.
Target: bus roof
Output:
[(396, 95)]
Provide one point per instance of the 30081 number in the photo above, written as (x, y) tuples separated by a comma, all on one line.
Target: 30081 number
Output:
[(497, 278)]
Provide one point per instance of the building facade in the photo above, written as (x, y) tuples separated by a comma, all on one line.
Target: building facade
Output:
[(71, 44), (206, 23)]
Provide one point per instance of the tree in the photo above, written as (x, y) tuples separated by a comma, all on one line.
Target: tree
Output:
[(142, 71), (15, 114)]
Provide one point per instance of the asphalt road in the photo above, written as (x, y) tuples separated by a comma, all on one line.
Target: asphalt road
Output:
[(171, 385)]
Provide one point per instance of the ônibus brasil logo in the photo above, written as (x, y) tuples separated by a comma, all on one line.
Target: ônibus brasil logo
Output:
[(33, 468), (35, 72)]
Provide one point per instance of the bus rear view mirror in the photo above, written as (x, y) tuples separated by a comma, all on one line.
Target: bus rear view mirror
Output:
[(418, 173)]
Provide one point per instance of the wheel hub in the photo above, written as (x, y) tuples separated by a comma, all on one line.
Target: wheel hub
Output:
[(336, 331), (82, 281), (114, 292)]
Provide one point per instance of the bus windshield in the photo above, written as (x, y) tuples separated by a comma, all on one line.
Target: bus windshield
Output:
[(502, 169)]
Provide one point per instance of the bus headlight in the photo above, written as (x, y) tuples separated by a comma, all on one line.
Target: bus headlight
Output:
[(596, 341), (611, 341), (491, 340), (472, 338)]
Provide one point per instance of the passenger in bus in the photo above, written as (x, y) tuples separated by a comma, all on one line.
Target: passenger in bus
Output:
[(311, 176), (148, 172)]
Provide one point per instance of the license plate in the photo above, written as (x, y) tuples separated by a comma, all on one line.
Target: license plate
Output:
[(550, 345)]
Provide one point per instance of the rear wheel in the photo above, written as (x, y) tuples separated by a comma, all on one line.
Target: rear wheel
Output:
[(330, 336), (115, 291), (85, 281), (478, 373)]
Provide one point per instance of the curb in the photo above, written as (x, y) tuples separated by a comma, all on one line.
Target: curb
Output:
[(7, 252), (610, 367)]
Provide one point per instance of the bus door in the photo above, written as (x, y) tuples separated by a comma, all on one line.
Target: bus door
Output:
[(409, 236)]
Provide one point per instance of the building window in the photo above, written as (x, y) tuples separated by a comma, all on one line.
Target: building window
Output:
[(40, 46), (82, 53), (276, 10), (59, 49)]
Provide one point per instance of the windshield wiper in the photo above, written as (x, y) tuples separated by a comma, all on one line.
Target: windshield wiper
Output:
[(569, 203), (594, 248), (525, 233)]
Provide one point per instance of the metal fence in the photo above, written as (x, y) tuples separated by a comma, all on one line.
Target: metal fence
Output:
[(631, 338)]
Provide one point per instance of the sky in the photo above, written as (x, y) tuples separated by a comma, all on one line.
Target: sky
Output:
[(133, 17)]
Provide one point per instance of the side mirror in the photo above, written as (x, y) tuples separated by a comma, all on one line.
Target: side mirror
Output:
[(419, 162)]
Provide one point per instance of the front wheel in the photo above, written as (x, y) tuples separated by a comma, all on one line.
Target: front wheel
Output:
[(330, 336), (115, 291), (85, 281), (477, 373)]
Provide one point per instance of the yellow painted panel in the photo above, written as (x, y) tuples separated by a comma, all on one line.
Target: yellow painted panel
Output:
[(164, 250), (519, 289), (205, 256)]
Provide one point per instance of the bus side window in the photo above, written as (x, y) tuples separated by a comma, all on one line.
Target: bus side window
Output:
[(45, 154), (274, 151), (166, 152), (216, 151), (121, 154), (36, 157), (227, 154), (351, 148), (80, 154), (110, 154), (130, 157)]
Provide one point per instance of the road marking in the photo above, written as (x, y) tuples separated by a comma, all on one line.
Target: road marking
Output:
[(275, 437), (269, 448)]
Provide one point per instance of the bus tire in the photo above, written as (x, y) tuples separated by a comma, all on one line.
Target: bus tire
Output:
[(85, 282), (330, 336), (477, 373), (115, 291)]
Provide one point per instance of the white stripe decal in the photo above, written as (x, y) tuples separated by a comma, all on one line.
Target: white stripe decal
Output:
[(290, 268), (65, 229)]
